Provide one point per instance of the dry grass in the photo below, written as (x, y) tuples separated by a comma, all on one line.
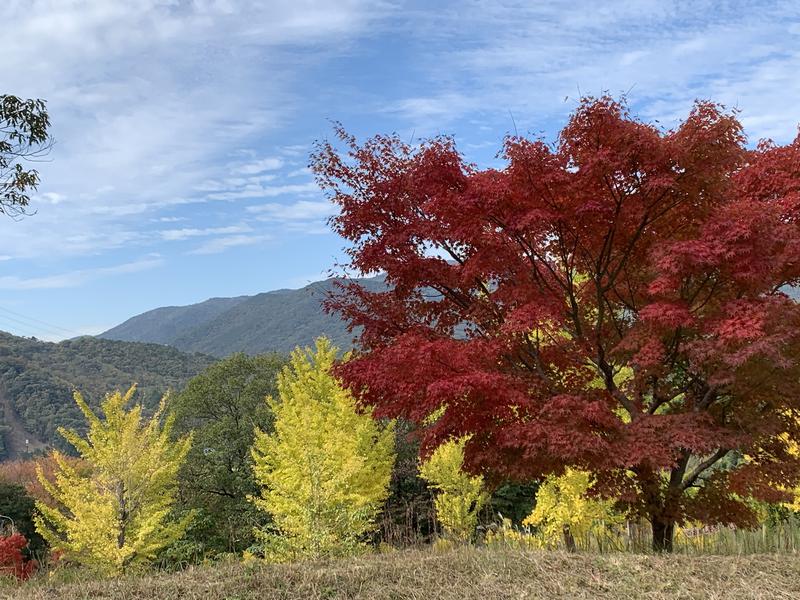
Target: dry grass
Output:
[(461, 574)]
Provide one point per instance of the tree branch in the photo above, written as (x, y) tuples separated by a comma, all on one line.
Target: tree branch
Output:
[(698, 470)]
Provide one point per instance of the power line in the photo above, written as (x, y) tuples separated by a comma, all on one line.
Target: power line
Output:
[(28, 328), (37, 329), (26, 317)]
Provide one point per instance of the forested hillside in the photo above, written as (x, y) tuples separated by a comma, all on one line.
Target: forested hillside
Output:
[(37, 380), (164, 325), (276, 321)]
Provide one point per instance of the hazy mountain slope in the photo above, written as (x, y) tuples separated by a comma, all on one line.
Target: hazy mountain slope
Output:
[(37, 380), (272, 321), (164, 325)]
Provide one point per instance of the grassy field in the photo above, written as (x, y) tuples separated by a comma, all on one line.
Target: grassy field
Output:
[(462, 574)]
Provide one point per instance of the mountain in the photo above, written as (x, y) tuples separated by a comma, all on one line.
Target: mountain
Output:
[(273, 321), (163, 325), (37, 380)]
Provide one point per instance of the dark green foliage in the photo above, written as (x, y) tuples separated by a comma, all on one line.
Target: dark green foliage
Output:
[(408, 516), (513, 501), (271, 322), (24, 135), (17, 505), (37, 380), (222, 406)]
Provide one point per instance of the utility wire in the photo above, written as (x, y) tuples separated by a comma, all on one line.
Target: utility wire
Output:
[(36, 329), (27, 318), (27, 329)]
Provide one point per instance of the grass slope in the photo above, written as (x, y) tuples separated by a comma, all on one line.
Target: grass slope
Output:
[(276, 321), (462, 574)]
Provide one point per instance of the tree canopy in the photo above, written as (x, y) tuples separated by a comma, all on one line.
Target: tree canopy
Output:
[(118, 514), (620, 249), (222, 407), (324, 472), (24, 135)]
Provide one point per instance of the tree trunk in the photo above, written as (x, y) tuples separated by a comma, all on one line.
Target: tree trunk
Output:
[(569, 539), (663, 533)]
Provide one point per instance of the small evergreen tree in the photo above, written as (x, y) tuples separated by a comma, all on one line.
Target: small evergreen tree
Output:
[(325, 470), (117, 515), (19, 506), (461, 495)]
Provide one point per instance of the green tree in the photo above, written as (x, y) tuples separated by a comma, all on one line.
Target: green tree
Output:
[(116, 516), (222, 406), (325, 470), (24, 135), (18, 506)]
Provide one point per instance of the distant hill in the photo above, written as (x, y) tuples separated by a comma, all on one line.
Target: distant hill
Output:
[(37, 380), (273, 321), (164, 325)]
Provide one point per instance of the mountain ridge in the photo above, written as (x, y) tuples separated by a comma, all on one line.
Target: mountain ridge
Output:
[(273, 321)]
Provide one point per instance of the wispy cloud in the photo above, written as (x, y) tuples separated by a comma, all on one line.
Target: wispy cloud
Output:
[(259, 166), (78, 277), (169, 219), (302, 172), (256, 190), (308, 217), (221, 244), (301, 210), (528, 59), (148, 99), (173, 235)]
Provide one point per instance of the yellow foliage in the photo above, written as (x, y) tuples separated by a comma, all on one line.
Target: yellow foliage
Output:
[(461, 496), (325, 470), (792, 447), (563, 501), (507, 536), (115, 515)]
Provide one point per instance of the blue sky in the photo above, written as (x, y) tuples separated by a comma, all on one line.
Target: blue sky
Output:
[(183, 127)]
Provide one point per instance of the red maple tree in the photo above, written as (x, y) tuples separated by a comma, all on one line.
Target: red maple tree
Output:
[(615, 301)]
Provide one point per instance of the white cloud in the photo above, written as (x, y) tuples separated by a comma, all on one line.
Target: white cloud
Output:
[(169, 219), (157, 105), (259, 166), (296, 150), (150, 98), (221, 244), (301, 210), (741, 54), (78, 277), (50, 198), (185, 233), (228, 183), (266, 191)]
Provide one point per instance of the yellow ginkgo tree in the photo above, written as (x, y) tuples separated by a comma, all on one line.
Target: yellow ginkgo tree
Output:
[(460, 495), (115, 515), (565, 511), (325, 470)]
